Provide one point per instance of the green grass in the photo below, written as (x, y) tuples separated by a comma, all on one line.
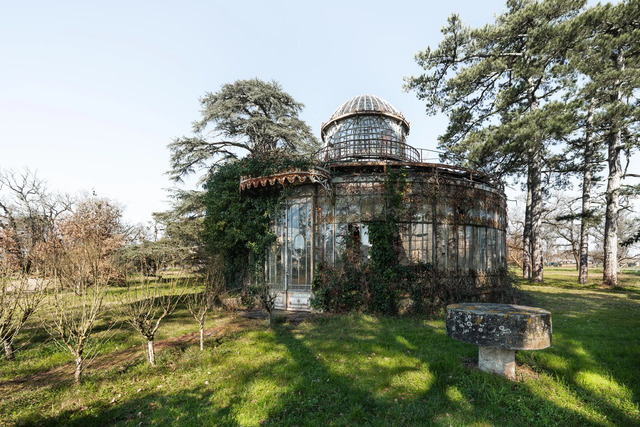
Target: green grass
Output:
[(351, 370), (567, 277)]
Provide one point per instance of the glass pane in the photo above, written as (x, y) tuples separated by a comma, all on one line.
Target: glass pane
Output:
[(405, 240), (328, 244), (482, 242), (340, 236), (417, 242), (462, 248), (452, 249), (364, 241)]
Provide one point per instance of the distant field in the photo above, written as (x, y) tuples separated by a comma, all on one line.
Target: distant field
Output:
[(628, 278), (345, 370)]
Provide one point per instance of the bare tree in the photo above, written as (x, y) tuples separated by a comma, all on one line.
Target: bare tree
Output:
[(73, 318), (86, 242), (200, 303), (28, 212), (81, 254), (515, 231), (627, 248), (145, 306), (561, 221), (19, 299), (267, 299)]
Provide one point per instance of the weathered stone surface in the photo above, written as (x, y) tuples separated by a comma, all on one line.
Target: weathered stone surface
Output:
[(502, 326), (497, 361)]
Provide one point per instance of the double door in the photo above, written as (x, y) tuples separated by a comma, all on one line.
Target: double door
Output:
[(290, 260)]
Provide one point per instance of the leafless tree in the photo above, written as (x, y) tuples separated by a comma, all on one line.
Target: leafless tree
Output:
[(266, 297), (19, 298), (627, 223), (86, 242), (515, 229), (562, 222), (27, 214), (199, 304), (72, 319), (81, 255), (144, 307)]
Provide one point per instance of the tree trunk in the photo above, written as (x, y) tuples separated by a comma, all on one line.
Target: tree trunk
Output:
[(610, 273), (201, 337), (270, 315), (614, 142), (526, 234), (77, 376), (534, 185), (8, 350), (151, 352), (587, 178), (537, 268)]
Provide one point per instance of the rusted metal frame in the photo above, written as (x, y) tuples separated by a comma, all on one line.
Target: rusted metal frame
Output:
[(369, 149), (471, 175)]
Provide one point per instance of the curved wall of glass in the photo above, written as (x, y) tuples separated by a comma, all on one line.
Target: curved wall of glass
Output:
[(450, 223)]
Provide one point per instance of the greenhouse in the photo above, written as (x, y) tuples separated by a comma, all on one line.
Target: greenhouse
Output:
[(452, 219)]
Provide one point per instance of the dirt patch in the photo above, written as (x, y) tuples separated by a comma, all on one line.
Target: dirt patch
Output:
[(64, 373), (523, 372), (293, 317)]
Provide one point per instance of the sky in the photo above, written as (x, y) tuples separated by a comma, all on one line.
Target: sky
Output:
[(91, 93)]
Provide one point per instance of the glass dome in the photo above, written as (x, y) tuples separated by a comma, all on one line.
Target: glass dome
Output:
[(366, 128)]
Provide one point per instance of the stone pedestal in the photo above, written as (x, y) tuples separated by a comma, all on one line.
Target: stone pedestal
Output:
[(499, 330), (497, 361)]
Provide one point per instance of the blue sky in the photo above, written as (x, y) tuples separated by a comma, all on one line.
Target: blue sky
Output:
[(91, 93)]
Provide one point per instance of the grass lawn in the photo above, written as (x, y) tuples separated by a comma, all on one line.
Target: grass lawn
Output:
[(345, 370)]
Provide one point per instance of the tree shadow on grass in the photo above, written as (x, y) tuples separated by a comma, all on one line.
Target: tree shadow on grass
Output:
[(383, 394), (187, 407), (596, 348), (346, 371)]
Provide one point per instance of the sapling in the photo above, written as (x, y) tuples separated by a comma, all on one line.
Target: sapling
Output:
[(200, 303), (19, 299), (145, 307)]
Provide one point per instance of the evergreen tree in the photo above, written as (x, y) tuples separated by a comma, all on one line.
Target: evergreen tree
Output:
[(583, 154), (247, 127), (609, 60), (247, 116), (499, 86)]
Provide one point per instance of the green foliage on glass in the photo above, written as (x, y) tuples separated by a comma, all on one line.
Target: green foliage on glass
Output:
[(237, 226), (387, 274), (386, 286)]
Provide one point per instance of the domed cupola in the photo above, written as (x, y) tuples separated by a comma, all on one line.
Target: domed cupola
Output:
[(366, 128)]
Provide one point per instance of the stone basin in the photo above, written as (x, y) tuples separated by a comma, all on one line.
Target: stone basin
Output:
[(499, 330)]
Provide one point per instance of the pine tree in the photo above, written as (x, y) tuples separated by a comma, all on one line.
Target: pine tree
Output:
[(609, 60), (499, 84)]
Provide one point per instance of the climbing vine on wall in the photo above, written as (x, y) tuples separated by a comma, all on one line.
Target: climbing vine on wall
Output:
[(387, 274), (387, 286), (237, 226)]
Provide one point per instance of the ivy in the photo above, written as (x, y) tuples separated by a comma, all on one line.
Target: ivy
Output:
[(238, 226), (387, 273), (384, 285)]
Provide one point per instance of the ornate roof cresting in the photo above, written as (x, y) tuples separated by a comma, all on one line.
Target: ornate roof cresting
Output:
[(314, 175)]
